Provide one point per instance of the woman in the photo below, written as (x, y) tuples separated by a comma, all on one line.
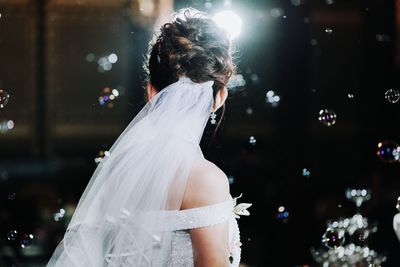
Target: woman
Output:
[(155, 200)]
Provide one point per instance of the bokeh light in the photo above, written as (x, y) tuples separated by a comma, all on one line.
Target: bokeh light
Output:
[(6, 126), (327, 117), (333, 238), (108, 97), (392, 96), (229, 21), (4, 97), (101, 156), (388, 151), (12, 235), (283, 214)]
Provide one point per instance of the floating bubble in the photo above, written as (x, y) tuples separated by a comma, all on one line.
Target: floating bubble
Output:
[(272, 99), (105, 63), (249, 111), (329, 30), (11, 196), (59, 215), (112, 58), (329, 2), (282, 214), (231, 179), (3, 175), (4, 97), (392, 96), (254, 77), (90, 57), (6, 126), (101, 156), (12, 235), (108, 97), (208, 5), (306, 20), (360, 237), (313, 42), (276, 12), (327, 117), (382, 37), (26, 240), (252, 140), (296, 2), (388, 151), (306, 173), (350, 96), (236, 81), (333, 238), (398, 204)]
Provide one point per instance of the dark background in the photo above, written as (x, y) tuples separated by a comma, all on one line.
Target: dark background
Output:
[(47, 159)]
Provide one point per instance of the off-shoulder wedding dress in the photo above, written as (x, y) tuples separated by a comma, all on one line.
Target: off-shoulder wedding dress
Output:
[(182, 221)]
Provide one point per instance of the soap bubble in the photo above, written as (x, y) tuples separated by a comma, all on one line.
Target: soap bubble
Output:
[(276, 12), (360, 237), (382, 37), (313, 42), (333, 238), (296, 2), (282, 214), (306, 173), (101, 155), (392, 96), (6, 126), (249, 111), (327, 117), (59, 215), (26, 240), (112, 58), (90, 57), (388, 151), (236, 81), (231, 179), (252, 140), (398, 204), (108, 97), (329, 30), (11, 196), (272, 99), (4, 97), (12, 235), (350, 96)]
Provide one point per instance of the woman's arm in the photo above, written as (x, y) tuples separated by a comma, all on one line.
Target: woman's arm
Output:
[(208, 185)]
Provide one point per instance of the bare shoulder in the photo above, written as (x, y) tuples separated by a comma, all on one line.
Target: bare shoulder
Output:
[(207, 185)]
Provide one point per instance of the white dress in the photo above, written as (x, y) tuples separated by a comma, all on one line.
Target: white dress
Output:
[(180, 222)]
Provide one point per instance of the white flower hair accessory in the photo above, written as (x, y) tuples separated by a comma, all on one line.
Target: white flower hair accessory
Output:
[(241, 208)]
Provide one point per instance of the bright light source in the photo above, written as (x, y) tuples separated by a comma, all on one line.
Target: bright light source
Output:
[(229, 21)]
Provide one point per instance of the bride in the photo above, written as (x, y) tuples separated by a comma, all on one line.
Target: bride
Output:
[(155, 200)]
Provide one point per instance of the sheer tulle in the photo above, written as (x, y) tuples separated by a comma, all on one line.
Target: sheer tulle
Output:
[(146, 172)]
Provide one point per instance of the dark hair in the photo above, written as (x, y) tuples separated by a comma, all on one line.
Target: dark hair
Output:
[(192, 45)]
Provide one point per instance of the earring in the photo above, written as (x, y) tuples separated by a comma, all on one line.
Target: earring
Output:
[(213, 116)]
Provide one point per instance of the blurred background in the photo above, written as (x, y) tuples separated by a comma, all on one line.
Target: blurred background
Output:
[(310, 133)]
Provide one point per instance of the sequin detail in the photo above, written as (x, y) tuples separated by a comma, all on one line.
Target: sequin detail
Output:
[(182, 251)]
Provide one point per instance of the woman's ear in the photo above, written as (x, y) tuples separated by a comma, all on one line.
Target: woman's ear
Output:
[(151, 91), (220, 98)]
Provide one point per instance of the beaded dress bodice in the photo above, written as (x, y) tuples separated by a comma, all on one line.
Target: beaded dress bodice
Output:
[(180, 222)]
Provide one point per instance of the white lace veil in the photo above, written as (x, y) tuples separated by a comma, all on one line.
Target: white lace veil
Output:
[(146, 172)]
